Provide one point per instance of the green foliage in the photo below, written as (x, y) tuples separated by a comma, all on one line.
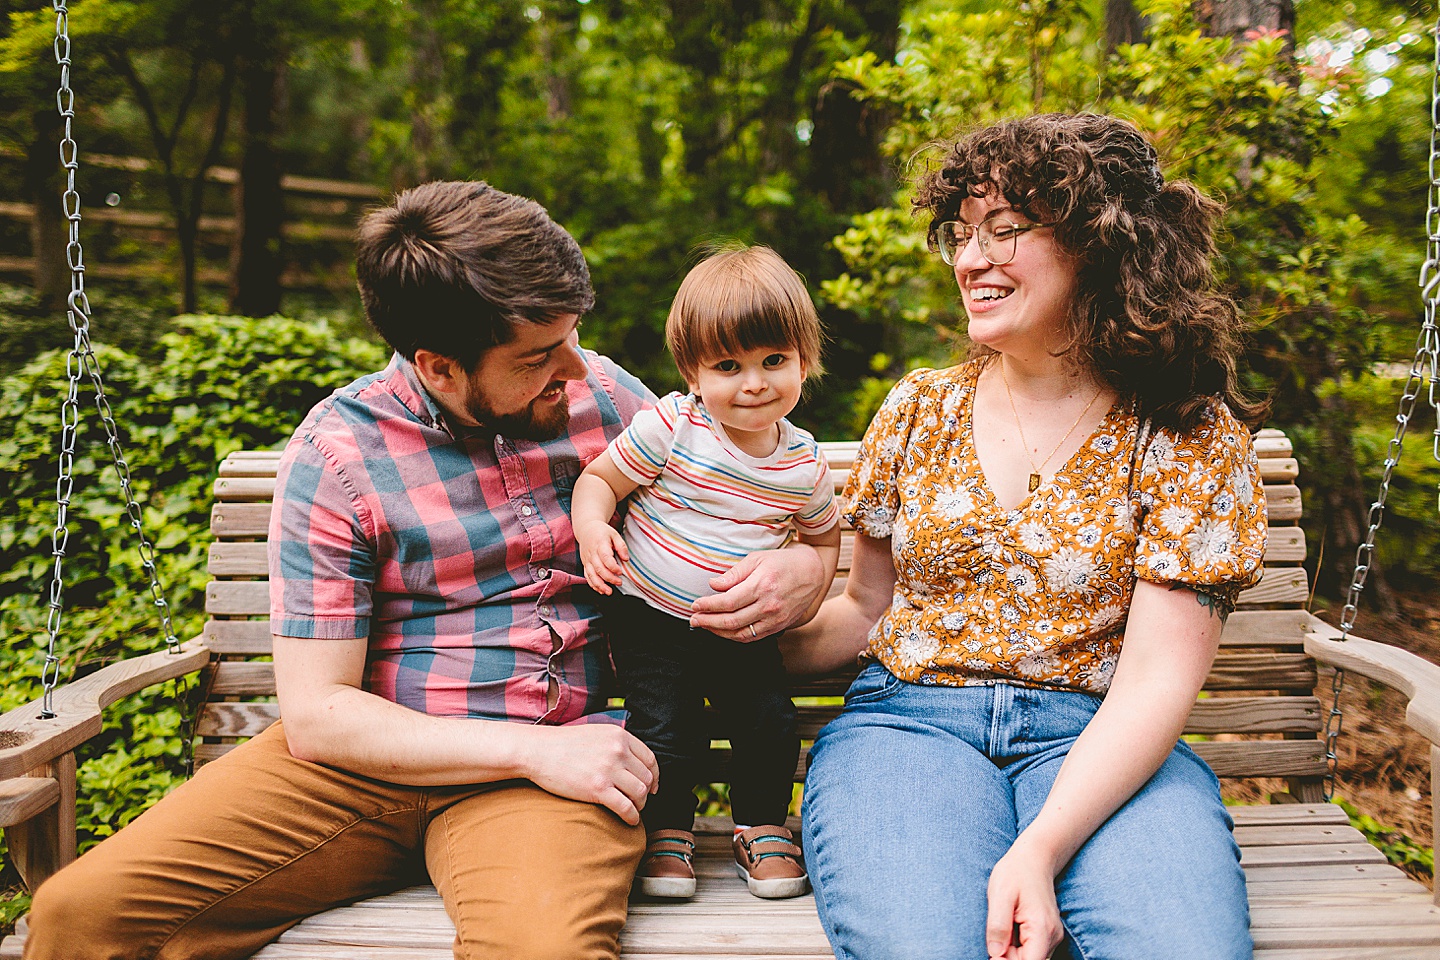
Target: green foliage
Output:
[(1399, 848), (1285, 143), (218, 384)]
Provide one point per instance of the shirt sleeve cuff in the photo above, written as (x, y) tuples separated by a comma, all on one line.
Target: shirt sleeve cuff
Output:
[(322, 628)]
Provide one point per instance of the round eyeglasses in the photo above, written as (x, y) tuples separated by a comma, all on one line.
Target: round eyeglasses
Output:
[(996, 237)]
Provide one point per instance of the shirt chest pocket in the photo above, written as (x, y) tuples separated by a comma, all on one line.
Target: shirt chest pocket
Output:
[(563, 474)]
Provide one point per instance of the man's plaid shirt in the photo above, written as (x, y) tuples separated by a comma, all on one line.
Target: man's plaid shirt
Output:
[(450, 549)]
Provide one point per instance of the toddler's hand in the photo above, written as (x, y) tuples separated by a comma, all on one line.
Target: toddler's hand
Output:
[(602, 550)]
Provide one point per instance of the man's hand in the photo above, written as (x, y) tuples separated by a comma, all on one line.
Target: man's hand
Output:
[(1024, 919), (597, 763), (602, 550), (768, 591)]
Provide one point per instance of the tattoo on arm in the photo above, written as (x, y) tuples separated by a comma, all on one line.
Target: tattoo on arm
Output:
[(1215, 603)]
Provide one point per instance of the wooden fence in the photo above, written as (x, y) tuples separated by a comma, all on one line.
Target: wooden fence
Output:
[(319, 229)]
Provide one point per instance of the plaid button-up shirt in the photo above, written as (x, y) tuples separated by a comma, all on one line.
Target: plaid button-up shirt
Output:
[(449, 549)]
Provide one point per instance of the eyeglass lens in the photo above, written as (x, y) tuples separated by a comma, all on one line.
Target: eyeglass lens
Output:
[(996, 239)]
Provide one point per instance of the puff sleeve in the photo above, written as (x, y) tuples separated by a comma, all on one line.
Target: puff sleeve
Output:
[(641, 451), (872, 491), (1203, 520)]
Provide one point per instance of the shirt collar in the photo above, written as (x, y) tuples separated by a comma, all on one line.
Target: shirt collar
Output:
[(406, 386)]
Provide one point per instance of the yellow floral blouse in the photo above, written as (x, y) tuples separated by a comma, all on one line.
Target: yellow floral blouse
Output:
[(1039, 595)]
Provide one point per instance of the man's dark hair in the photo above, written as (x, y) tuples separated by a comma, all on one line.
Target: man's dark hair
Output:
[(450, 266)]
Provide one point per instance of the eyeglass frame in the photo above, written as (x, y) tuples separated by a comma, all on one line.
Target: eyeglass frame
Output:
[(974, 230)]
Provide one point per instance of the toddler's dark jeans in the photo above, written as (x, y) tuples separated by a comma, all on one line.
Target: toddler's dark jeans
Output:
[(666, 672)]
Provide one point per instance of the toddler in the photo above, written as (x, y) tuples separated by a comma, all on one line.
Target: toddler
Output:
[(713, 476)]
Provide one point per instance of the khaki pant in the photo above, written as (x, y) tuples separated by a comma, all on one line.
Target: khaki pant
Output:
[(259, 840)]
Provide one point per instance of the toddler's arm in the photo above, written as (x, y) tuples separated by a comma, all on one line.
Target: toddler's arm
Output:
[(597, 493)]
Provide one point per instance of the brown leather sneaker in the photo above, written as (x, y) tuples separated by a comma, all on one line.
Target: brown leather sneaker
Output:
[(665, 870), (769, 861)]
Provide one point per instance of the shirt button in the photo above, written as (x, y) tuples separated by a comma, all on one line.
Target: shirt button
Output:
[(525, 511), (542, 572)]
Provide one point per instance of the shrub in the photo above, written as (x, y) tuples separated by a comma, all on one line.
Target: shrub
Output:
[(220, 384)]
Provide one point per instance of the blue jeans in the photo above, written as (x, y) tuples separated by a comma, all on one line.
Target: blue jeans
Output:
[(915, 792)]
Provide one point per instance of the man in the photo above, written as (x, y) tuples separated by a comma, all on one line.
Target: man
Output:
[(437, 659)]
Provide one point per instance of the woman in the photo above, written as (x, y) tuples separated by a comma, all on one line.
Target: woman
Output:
[(1049, 538)]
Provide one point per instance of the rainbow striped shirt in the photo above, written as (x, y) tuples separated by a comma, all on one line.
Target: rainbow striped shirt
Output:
[(703, 504)]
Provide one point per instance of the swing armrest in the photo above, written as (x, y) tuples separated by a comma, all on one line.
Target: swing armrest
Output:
[(26, 741), (1417, 678)]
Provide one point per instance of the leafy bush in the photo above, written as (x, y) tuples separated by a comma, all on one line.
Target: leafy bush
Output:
[(1399, 848), (220, 384)]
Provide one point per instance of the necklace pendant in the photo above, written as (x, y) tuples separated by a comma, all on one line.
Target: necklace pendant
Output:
[(1034, 482)]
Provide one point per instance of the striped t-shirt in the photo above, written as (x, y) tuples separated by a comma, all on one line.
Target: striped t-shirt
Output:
[(704, 504)]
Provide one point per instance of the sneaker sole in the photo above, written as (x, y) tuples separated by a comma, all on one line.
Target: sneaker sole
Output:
[(782, 888), (668, 888)]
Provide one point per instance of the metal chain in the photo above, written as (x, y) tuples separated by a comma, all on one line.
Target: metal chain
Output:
[(1423, 369), (82, 361)]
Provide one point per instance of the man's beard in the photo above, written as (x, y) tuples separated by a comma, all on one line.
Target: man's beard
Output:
[(528, 424)]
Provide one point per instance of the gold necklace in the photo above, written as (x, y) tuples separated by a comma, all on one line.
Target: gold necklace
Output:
[(1034, 482)]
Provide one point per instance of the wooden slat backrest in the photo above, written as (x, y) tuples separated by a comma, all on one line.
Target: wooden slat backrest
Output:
[(1259, 697)]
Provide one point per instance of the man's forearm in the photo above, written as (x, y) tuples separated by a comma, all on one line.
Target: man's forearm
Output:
[(359, 732)]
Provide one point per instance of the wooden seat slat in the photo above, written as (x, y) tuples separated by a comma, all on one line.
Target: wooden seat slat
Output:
[(1336, 896), (241, 678), (251, 598), (1263, 873), (232, 559), (1266, 628), (1263, 758), (1231, 672), (244, 489), (1288, 814), (1261, 671), (1351, 953), (244, 559), (1337, 937), (250, 516), (236, 719), (1242, 759), (232, 520), (1308, 854), (1392, 915), (240, 637), (1289, 835), (238, 598)]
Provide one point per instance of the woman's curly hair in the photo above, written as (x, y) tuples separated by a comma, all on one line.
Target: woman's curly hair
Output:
[(1147, 318)]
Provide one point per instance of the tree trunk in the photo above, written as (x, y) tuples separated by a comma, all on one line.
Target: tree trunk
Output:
[(1243, 19), (846, 164), (1123, 24), (48, 233), (256, 258)]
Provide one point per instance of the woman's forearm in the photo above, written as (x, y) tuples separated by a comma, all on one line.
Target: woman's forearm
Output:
[(836, 634), (1169, 645)]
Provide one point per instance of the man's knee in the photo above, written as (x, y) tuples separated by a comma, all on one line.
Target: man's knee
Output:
[(77, 914)]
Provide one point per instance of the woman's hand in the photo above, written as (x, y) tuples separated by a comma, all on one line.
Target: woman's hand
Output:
[(1024, 919)]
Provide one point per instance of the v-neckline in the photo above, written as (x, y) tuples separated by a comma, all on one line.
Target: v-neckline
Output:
[(1045, 484)]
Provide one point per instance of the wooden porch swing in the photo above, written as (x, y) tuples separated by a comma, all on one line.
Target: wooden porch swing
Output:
[(1318, 890)]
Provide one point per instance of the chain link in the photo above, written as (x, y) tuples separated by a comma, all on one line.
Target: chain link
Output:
[(1424, 370), (82, 362)]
